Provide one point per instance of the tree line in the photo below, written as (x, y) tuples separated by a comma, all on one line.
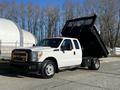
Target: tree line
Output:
[(48, 21)]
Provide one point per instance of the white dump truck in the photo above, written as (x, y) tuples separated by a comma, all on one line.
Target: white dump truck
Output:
[(80, 45)]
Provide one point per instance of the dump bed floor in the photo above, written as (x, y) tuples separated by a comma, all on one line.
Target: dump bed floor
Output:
[(84, 30)]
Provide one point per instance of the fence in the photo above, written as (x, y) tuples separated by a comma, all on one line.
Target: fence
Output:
[(116, 51), (7, 47)]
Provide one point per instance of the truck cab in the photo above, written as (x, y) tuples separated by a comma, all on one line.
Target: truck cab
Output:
[(60, 52), (80, 45)]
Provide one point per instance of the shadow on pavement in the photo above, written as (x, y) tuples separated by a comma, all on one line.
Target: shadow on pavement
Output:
[(9, 71)]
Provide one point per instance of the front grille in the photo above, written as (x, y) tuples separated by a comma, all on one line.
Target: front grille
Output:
[(20, 55)]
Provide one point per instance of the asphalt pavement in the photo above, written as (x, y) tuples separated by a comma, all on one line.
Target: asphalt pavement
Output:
[(106, 78)]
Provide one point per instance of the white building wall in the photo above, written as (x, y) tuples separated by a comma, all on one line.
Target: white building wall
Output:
[(10, 37), (28, 39), (8, 32), (116, 50)]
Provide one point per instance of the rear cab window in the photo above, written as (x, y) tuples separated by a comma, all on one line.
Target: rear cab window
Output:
[(76, 44)]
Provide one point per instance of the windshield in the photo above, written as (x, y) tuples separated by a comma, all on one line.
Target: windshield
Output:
[(54, 43)]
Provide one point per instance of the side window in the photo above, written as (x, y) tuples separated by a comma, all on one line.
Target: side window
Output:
[(67, 45), (76, 44)]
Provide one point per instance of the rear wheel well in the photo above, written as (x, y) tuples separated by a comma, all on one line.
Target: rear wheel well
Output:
[(55, 61)]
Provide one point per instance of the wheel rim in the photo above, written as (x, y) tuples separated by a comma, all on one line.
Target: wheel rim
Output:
[(97, 65), (49, 70)]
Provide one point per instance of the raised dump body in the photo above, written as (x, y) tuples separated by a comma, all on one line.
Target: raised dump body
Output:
[(84, 30)]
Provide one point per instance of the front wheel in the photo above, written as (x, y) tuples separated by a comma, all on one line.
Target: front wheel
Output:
[(48, 69), (95, 64)]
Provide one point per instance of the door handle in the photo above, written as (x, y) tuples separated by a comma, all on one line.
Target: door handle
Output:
[(74, 52)]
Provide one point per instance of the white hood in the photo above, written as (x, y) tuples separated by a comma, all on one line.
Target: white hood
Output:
[(39, 48)]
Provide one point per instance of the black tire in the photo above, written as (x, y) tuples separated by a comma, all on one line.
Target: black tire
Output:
[(95, 64), (48, 69)]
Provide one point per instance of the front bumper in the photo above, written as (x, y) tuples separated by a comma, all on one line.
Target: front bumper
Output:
[(29, 66)]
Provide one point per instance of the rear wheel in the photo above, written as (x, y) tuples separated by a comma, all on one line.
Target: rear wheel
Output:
[(95, 64), (48, 69)]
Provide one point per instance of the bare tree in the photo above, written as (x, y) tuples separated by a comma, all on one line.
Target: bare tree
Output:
[(29, 16), (68, 10), (107, 19), (91, 6), (12, 12), (78, 10), (35, 18), (1, 9), (116, 43), (48, 21), (22, 15), (52, 14), (41, 24)]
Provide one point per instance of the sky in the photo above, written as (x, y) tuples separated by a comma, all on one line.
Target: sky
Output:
[(46, 2)]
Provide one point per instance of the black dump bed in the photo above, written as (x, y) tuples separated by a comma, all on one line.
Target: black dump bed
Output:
[(84, 30)]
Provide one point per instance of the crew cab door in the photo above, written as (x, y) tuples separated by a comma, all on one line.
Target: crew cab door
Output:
[(68, 53), (77, 52)]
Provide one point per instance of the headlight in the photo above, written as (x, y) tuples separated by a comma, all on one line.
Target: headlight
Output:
[(36, 56)]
